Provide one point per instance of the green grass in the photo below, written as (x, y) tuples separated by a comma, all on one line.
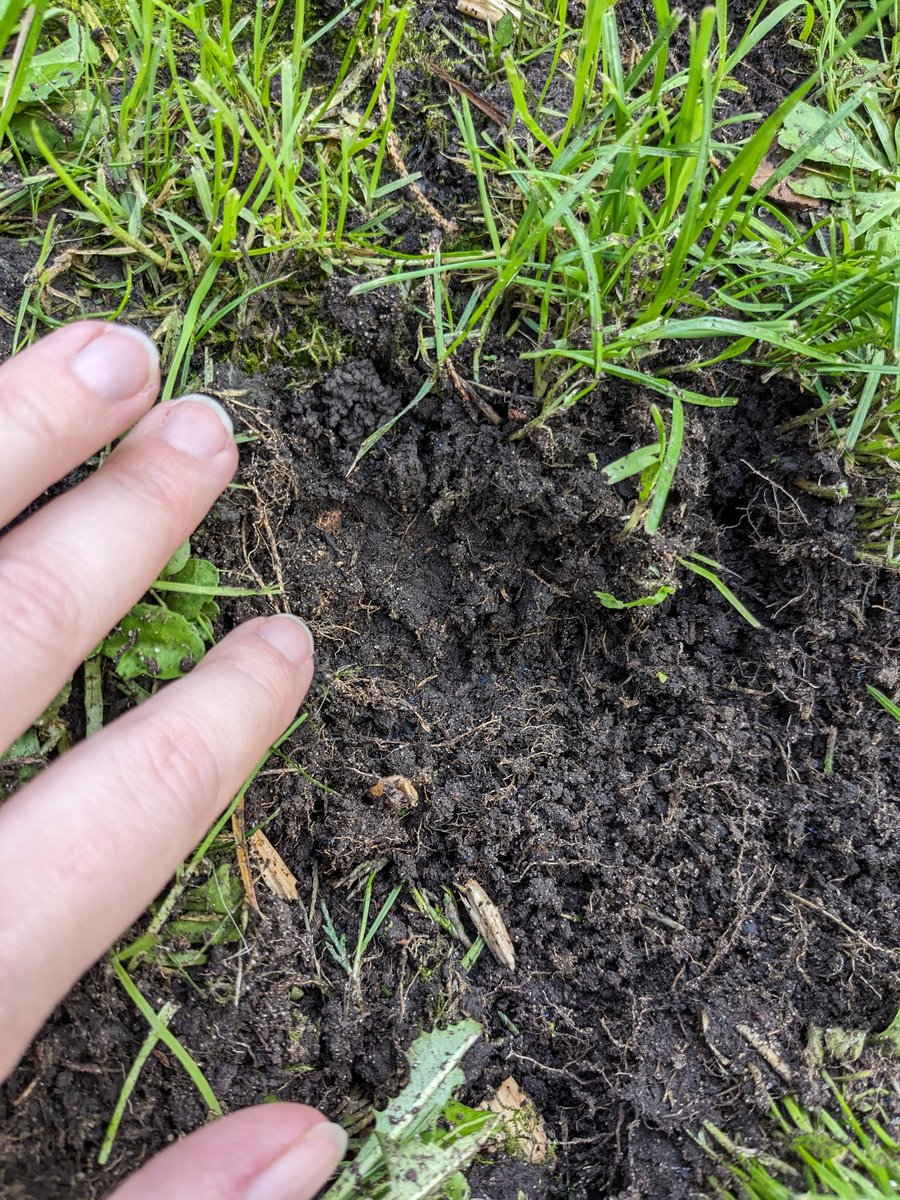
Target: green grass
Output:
[(846, 1149), (336, 943), (823, 1154), (624, 235), (209, 169), (885, 701), (637, 223)]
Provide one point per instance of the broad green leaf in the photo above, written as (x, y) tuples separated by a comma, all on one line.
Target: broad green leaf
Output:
[(866, 202), (221, 893), (463, 1118), (76, 118), (840, 147), (203, 575), (178, 561), (56, 70), (504, 32), (457, 1188), (886, 241), (819, 187), (417, 1169), (407, 1144), (153, 640), (867, 211), (434, 1075)]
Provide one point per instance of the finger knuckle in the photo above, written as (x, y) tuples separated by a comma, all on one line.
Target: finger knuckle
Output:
[(37, 599), (35, 414), (159, 486), (172, 761), (261, 672)]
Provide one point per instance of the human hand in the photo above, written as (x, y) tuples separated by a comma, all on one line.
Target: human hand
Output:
[(87, 844)]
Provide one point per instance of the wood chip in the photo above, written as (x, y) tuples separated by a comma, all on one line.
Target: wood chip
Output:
[(487, 920), (273, 870), (523, 1132)]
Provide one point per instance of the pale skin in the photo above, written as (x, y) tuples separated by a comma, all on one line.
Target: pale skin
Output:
[(87, 844)]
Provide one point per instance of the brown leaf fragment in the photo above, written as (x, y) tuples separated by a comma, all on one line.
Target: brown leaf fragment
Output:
[(487, 920), (243, 862), (522, 1133), (99, 34), (396, 790), (489, 11), (489, 110), (782, 193), (766, 1052), (273, 870)]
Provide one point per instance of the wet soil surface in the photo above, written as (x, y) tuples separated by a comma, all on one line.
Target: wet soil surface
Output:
[(688, 825)]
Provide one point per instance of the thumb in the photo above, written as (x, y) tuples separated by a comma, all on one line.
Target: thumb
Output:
[(272, 1152)]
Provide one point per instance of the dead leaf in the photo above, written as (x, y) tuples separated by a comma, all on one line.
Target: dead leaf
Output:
[(766, 1051), (99, 34), (489, 110), (273, 870), (397, 790), (487, 920), (489, 11), (522, 1127), (243, 862), (782, 192)]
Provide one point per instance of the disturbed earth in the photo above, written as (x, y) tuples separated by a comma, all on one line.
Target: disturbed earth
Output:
[(688, 825)]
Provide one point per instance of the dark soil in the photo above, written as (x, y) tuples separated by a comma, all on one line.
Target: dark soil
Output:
[(647, 796)]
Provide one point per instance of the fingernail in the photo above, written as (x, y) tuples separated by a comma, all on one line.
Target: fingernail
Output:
[(291, 636), (118, 364), (197, 425), (309, 1161)]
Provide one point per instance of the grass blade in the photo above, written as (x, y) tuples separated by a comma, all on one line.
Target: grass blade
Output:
[(722, 588), (139, 1000), (666, 468)]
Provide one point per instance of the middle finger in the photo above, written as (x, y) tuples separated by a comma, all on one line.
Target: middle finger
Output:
[(71, 571)]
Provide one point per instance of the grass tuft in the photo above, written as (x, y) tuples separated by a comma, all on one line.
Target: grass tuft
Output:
[(825, 1155)]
